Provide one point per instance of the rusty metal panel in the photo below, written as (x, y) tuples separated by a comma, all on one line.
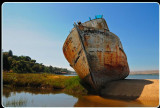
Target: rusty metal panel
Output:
[(71, 47), (106, 59), (75, 55)]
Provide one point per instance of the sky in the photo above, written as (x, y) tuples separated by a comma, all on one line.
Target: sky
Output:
[(39, 30)]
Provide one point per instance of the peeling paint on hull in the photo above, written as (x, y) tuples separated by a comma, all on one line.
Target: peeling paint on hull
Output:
[(95, 53)]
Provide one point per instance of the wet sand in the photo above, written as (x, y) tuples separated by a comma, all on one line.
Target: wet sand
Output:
[(98, 101)]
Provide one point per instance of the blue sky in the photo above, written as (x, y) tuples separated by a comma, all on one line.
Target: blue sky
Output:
[(39, 30)]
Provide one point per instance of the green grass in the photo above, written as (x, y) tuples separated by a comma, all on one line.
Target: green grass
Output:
[(70, 84), (73, 86)]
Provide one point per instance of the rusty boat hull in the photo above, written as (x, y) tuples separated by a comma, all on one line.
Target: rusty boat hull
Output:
[(95, 53)]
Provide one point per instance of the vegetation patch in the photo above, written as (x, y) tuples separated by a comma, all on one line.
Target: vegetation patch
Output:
[(70, 84), (24, 64)]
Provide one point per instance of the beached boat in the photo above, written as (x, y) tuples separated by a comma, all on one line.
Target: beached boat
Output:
[(95, 53)]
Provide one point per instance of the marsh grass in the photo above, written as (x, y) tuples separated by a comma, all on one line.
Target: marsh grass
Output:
[(16, 103), (74, 86), (70, 84)]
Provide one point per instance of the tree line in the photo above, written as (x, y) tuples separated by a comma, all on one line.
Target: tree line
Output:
[(24, 64)]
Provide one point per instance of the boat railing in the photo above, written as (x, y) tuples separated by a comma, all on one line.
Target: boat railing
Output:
[(102, 31)]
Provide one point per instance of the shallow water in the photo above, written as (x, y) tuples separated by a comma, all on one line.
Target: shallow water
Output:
[(138, 76), (39, 100), (27, 99), (147, 76), (30, 97)]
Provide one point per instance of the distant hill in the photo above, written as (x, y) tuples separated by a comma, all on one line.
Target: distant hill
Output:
[(145, 72)]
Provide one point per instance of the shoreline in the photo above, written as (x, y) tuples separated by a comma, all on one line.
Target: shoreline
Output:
[(144, 90), (70, 84)]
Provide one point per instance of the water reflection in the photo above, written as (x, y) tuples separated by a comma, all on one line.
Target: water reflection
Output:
[(29, 97), (7, 90), (97, 101)]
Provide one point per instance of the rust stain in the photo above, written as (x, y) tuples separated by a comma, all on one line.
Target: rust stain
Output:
[(108, 48), (99, 54), (86, 38), (100, 25)]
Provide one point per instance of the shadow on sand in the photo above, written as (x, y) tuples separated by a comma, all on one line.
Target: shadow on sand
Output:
[(129, 89), (121, 93)]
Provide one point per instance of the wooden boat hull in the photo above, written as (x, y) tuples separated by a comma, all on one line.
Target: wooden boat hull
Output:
[(96, 54)]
